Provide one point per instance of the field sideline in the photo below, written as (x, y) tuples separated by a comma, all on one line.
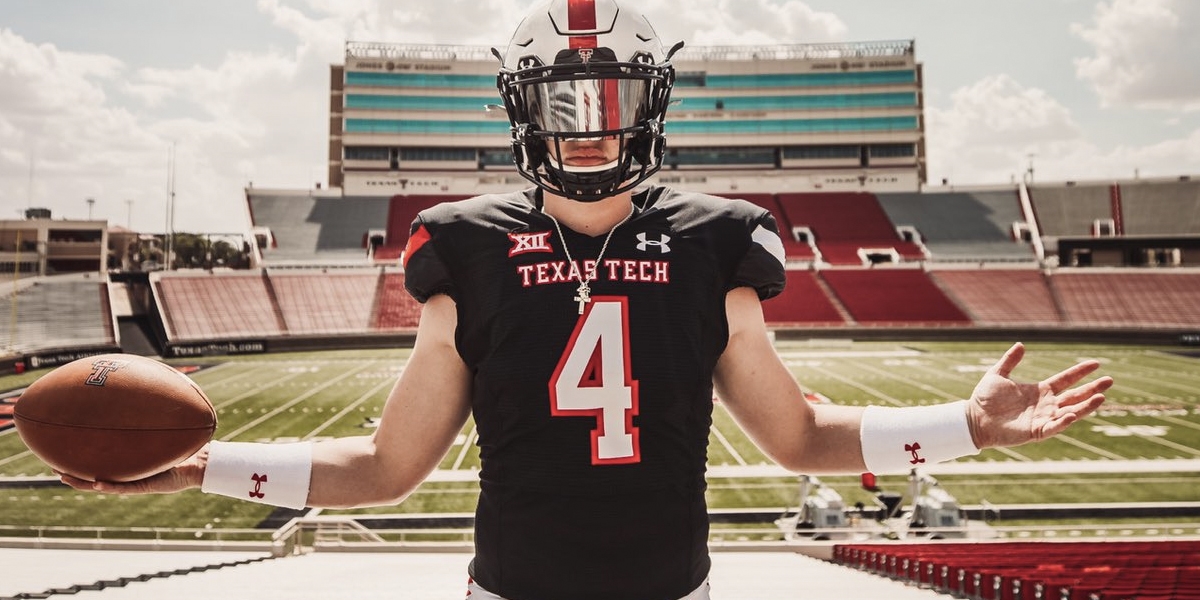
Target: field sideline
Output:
[(1152, 414)]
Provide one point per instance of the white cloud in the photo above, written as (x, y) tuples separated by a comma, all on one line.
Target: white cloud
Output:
[(729, 22), (994, 129), (59, 129), (63, 80), (991, 127), (1144, 53)]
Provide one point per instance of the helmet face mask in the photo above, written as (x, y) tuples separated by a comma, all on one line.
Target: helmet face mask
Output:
[(562, 84)]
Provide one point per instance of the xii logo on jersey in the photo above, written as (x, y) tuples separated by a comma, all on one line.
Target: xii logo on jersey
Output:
[(524, 243)]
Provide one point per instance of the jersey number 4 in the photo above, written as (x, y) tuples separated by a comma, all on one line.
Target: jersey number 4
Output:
[(593, 379)]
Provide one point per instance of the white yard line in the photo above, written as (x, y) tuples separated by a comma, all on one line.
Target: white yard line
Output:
[(466, 446), (353, 405), (728, 447)]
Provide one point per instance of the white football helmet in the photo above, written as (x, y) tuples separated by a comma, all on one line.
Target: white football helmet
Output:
[(586, 70)]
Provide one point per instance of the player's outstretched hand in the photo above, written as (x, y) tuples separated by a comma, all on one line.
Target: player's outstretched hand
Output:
[(1003, 412), (186, 475)]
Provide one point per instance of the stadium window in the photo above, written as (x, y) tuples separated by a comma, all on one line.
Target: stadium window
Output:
[(438, 154), (1081, 257), (820, 152), (1021, 232), (1162, 257), (892, 151), (495, 158), (723, 156), (909, 234), (1104, 228), (876, 256), (691, 78), (377, 153)]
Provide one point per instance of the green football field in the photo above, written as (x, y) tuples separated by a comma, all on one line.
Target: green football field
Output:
[(1151, 414)]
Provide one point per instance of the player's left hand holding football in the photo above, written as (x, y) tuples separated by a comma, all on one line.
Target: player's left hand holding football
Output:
[(186, 475), (1004, 412)]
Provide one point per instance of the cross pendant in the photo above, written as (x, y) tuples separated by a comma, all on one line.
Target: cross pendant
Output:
[(583, 295)]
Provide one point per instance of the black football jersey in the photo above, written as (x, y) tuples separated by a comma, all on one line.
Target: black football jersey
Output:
[(593, 427)]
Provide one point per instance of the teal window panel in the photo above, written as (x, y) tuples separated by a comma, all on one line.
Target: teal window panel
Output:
[(375, 102), (818, 102), (794, 125), (421, 80), (426, 126), (770, 80)]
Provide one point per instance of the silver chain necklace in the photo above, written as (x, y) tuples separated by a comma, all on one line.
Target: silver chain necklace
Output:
[(583, 294)]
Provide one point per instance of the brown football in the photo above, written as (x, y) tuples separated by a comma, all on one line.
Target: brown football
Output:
[(114, 417)]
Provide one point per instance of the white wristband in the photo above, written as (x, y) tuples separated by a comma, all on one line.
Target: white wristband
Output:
[(276, 474), (899, 439)]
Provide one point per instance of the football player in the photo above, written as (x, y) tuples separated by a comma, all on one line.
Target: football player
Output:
[(586, 323)]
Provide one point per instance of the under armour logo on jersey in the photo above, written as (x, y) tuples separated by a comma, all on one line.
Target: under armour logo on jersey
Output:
[(524, 243), (661, 243)]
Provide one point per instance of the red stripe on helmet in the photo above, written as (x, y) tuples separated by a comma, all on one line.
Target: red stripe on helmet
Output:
[(581, 16)]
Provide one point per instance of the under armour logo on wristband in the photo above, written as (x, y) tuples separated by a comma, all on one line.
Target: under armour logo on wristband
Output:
[(913, 447), (258, 481)]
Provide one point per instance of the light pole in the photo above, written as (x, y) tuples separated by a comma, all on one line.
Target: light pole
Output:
[(129, 214), (91, 202)]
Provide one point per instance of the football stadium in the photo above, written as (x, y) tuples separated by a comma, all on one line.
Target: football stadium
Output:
[(899, 292)]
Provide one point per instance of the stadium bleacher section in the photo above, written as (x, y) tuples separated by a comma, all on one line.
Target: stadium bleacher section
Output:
[(893, 296), (856, 262), (395, 309), (325, 302), (312, 226), (211, 306), (294, 303), (804, 301), (1125, 298), (1159, 208), (962, 226), (1005, 296), (57, 312), (846, 226), (1071, 210), (1106, 570), (283, 303)]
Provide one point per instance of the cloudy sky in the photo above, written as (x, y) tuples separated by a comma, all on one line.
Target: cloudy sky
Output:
[(94, 94)]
